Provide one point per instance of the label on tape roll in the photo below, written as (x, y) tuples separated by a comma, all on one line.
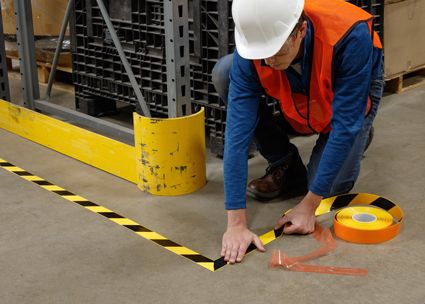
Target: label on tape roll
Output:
[(364, 218)]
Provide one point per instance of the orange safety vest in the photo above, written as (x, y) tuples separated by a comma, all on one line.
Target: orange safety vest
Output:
[(331, 20)]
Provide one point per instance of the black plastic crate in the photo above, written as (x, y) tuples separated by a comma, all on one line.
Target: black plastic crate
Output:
[(100, 78), (141, 33), (375, 8)]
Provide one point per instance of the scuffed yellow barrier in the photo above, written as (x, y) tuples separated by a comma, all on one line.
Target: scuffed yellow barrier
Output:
[(88, 147), (170, 154), (169, 157)]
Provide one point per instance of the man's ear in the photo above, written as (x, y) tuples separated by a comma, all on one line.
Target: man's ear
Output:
[(303, 29)]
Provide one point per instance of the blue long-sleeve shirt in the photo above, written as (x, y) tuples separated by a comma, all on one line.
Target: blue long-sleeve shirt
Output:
[(356, 62)]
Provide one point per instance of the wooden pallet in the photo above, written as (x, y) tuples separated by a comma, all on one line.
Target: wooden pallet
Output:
[(405, 81), (43, 69)]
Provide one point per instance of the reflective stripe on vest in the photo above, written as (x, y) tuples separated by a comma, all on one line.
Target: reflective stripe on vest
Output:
[(332, 20)]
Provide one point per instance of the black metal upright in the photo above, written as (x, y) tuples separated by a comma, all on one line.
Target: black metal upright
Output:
[(223, 7), (4, 79)]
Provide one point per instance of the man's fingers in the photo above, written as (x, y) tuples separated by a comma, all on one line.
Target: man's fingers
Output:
[(228, 252), (258, 244), (290, 229), (241, 252), (223, 249), (296, 229), (233, 247), (282, 221), (233, 254)]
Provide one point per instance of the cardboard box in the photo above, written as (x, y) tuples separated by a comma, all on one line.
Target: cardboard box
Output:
[(404, 36), (47, 16)]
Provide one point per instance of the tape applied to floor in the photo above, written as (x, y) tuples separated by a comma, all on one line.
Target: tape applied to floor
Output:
[(114, 217), (326, 206)]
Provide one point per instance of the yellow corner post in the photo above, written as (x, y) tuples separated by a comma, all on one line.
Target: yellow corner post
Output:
[(170, 154)]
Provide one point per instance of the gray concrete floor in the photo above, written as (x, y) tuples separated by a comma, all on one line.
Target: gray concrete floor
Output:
[(52, 251)]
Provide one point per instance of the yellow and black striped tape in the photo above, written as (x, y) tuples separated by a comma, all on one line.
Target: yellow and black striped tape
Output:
[(326, 206), (116, 218), (354, 199)]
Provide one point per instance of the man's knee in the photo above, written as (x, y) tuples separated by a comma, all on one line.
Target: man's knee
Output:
[(217, 74), (220, 75)]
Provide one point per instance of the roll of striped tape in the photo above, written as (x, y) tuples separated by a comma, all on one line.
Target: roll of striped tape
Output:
[(368, 224)]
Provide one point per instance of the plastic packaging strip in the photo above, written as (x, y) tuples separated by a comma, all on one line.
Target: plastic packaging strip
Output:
[(324, 236)]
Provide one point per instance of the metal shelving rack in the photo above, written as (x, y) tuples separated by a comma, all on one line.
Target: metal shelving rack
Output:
[(159, 58), (142, 27), (4, 80), (176, 12)]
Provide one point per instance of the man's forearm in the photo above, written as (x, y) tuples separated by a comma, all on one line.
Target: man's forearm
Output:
[(312, 200)]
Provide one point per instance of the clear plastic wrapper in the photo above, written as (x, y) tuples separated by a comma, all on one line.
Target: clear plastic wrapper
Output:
[(327, 244)]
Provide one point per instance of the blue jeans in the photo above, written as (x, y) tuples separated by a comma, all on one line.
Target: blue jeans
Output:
[(271, 133)]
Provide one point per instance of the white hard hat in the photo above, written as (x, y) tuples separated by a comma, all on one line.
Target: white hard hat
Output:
[(263, 26)]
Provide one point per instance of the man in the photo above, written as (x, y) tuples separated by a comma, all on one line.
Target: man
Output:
[(323, 63)]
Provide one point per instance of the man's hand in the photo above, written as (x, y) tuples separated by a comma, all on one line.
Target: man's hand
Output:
[(301, 219), (238, 237)]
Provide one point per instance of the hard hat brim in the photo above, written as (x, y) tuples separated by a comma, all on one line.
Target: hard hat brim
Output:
[(259, 51)]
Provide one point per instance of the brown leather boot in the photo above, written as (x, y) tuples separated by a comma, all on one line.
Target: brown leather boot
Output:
[(286, 180)]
